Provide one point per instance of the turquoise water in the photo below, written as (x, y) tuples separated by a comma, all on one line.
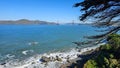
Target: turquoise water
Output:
[(38, 39)]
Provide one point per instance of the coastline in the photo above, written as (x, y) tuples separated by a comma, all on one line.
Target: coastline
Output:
[(54, 60)]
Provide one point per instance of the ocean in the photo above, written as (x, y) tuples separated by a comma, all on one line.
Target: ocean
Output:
[(20, 42)]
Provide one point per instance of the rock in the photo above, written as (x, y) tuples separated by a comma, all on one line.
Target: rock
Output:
[(60, 54), (25, 67), (75, 67), (3, 63), (33, 63), (58, 59), (65, 65), (79, 50), (46, 65), (68, 57), (44, 59), (97, 49), (68, 60), (78, 55)]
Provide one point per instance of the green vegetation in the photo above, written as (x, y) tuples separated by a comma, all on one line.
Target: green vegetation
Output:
[(91, 64), (108, 55), (114, 40)]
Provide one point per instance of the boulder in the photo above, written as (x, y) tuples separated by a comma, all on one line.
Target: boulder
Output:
[(58, 59), (3, 63), (45, 59), (33, 63), (68, 60)]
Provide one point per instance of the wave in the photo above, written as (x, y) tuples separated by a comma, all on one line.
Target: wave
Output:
[(26, 52), (34, 61)]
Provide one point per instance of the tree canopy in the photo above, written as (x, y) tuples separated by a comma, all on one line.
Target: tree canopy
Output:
[(103, 14)]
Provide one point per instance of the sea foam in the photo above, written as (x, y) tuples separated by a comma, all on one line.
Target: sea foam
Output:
[(34, 61)]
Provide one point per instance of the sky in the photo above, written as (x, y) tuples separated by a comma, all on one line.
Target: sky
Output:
[(61, 11)]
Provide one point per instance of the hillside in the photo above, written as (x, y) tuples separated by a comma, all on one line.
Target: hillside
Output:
[(25, 21)]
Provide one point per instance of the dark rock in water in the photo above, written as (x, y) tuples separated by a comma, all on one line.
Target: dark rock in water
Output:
[(58, 59), (78, 55), (52, 58), (25, 67), (33, 63), (79, 50), (35, 67), (68, 60), (46, 65), (3, 63), (60, 54), (44, 59)]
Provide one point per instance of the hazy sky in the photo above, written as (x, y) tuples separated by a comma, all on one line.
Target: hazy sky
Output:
[(46, 10)]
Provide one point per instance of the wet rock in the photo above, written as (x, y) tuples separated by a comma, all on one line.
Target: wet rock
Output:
[(68, 60), (45, 59), (52, 58), (60, 54), (58, 59), (3, 63), (25, 67), (46, 65), (79, 50), (33, 63), (97, 49), (78, 55), (68, 57)]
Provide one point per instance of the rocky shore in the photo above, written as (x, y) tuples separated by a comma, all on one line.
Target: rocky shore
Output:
[(56, 60), (81, 59)]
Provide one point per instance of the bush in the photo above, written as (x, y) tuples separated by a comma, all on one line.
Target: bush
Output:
[(108, 53), (114, 40), (111, 56), (105, 47), (90, 64)]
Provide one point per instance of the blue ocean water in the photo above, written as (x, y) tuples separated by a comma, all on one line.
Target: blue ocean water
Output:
[(38, 39)]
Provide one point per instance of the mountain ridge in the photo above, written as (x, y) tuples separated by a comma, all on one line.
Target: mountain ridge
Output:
[(25, 21)]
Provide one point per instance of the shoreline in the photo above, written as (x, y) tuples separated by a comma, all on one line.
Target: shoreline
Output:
[(54, 60)]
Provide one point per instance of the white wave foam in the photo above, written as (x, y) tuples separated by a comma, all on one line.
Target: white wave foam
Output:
[(35, 60), (10, 56), (26, 52), (33, 43)]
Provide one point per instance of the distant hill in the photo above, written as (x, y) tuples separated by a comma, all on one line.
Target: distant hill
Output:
[(25, 21)]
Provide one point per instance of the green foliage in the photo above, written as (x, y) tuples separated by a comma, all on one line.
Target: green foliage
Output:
[(111, 56), (107, 54), (106, 47), (90, 64), (106, 61), (114, 40), (113, 63), (103, 63)]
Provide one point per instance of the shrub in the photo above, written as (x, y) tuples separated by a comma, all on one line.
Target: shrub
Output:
[(90, 64), (108, 53), (106, 47), (114, 40)]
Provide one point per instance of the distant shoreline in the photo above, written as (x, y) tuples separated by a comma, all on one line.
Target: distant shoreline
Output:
[(36, 22), (25, 22)]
